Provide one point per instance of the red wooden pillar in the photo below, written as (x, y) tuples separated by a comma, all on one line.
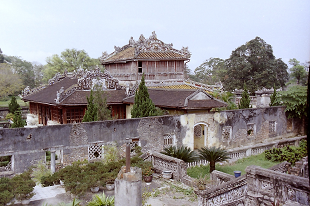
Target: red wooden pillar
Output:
[(64, 115)]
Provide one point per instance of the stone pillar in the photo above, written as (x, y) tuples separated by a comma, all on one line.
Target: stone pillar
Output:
[(128, 187), (53, 161)]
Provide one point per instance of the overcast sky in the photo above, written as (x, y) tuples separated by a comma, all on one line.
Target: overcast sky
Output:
[(37, 29)]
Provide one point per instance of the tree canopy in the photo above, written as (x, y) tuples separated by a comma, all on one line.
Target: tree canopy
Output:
[(10, 83), (295, 100), (210, 71), (144, 106), (254, 64), (298, 72), (70, 60)]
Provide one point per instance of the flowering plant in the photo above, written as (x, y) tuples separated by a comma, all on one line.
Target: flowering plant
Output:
[(147, 171)]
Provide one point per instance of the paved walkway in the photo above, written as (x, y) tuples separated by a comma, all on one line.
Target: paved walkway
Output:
[(47, 192)]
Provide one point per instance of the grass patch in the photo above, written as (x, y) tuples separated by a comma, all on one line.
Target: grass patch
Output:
[(239, 165), (6, 102)]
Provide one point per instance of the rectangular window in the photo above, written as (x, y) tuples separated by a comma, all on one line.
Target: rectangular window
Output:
[(272, 127), (168, 140), (139, 67), (5, 163)]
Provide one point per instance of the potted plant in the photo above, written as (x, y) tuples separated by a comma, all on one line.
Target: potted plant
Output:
[(110, 184), (201, 182), (147, 174), (93, 183)]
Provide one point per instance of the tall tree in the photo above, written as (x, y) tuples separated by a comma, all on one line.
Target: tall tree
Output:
[(298, 72), (100, 101), (17, 119), (13, 105), (10, 83), (91, 112), (245, 99), (211, 71), (144, 106), (254, 64), (273, 97), (70, 59)]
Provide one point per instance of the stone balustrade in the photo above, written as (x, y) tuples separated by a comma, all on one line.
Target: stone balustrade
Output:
[(228, 193), (267, 187), (163, 162), (239, 153)]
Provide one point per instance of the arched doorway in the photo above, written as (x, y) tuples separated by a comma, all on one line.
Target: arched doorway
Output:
[(200, 135)]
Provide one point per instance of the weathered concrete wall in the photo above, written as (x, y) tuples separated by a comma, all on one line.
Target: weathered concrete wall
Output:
[(27, 145), (81, 141), (237, 128), (267, 187)]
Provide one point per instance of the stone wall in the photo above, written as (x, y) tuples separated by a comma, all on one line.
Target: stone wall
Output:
[(238, 128), (74, 142), (267, 187), (81, 141)]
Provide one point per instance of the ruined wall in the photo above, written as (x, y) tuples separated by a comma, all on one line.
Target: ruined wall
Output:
[(81, 141), (267, 187), (238, 128), (230, 129)]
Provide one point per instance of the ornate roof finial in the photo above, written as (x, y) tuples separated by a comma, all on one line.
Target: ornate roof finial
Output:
[(131, 41), (141, 38), (153, 36)]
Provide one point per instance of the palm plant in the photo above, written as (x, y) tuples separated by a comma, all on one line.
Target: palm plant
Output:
[(102, 200), (183, 153), (213, 155)]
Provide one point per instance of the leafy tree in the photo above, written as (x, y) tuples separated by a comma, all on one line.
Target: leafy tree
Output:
[(213, 155), (183, 153), (91, 112), (24, 69), (70, 60), (13, 105), (298, 72), (38, 73), (254, 64), (144, 106), (295, 100), (245, 99), (10, 83), (210, 71), (17, 120)]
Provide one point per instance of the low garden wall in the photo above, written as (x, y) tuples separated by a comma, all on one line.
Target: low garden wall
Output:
[(239, 153)]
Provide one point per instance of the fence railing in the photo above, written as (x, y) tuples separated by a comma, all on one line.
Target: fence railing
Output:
[(239, 153)]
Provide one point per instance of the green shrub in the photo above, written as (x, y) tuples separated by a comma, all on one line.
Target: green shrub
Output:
[(6, 191), (288, 153), (39, 171), (23, 185)]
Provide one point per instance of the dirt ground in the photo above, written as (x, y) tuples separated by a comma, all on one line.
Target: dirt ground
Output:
[(160, 192)]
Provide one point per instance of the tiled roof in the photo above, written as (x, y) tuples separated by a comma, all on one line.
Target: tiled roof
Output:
[(48, 94), (80, 97), (176, 99), (160, 55), (126, 54), (146, 49)]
